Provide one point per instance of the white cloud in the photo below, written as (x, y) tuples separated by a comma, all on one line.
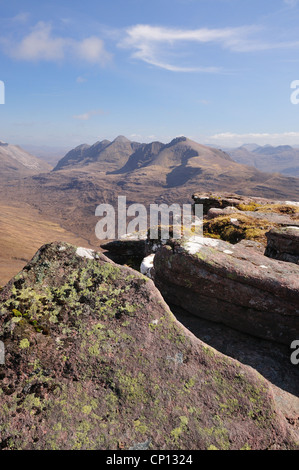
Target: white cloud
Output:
[(261, 138), (92, 49), (42, 44), (86, 116), (147, 42), (152, 44)]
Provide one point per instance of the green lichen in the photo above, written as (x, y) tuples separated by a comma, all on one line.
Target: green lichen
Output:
[(24, 343)]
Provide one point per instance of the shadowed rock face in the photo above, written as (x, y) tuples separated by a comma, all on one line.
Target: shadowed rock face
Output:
[(283, 244), (231, 284), (94, 359)]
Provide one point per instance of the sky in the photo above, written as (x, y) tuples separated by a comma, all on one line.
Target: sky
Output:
[(219, 72)]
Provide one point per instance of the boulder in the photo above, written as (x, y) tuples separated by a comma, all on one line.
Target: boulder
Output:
[(216, 212), (95, 360), (283, 244), (231, 284)]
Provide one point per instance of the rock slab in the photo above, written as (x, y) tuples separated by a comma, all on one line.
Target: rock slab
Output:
[(231, 284)]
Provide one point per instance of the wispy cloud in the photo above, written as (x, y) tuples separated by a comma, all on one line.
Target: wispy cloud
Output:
[(89, 114), (41, 44), (151, 44), (21, 17)]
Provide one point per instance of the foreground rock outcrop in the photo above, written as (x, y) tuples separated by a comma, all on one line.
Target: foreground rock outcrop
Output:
[(94, 359), (231, 284)]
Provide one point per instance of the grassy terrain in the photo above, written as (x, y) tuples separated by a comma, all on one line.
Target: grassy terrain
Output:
[(22, 232)]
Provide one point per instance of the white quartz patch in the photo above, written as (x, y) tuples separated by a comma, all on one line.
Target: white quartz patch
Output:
[(146, 265), (292, 203), (293, 227), (85, 253), (142, 235), (194, 244), (263, 266), (228, 252)]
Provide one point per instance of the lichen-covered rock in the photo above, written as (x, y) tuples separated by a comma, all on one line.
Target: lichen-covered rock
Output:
[(231, 284), (232, 217), (94, 359), (283, 244), (224, 201)]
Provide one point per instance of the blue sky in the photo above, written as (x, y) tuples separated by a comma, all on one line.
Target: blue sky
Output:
[(217, 71)]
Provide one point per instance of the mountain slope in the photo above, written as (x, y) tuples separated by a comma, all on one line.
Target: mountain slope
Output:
[(17, 163)]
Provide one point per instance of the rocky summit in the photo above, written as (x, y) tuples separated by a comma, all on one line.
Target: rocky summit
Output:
[(94, 359)]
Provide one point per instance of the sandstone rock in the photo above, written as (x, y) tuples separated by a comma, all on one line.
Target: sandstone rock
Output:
[(253, 245), (96, 360), (273, 218), (216, 212), (232, 285), (247, 204), (251, 217), (224, 200), (283, 244)]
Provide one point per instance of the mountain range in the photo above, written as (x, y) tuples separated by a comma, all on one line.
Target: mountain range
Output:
[(68, 194), (283, 158)]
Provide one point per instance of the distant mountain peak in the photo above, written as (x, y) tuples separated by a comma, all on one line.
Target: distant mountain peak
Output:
[(121, 139), (177, 140)]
